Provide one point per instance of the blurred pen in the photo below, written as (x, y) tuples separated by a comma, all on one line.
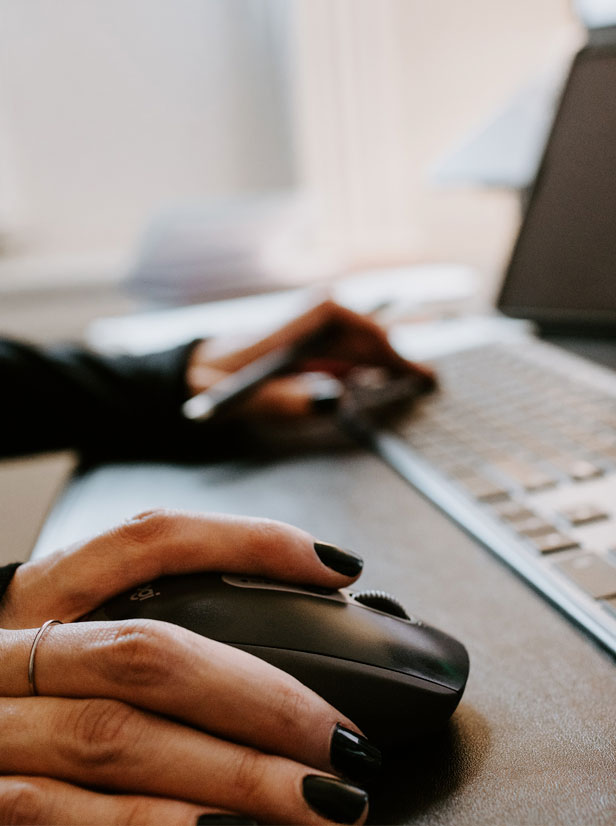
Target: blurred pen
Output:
[(235, 386)]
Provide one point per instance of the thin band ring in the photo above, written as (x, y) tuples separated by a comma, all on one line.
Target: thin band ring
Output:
[(35, 642)]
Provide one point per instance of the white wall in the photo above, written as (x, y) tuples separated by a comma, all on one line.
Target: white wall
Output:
[(109, 108), (386, 87)]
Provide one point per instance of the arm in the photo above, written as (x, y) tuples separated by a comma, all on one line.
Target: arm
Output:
[(130, 406), (66, 397)]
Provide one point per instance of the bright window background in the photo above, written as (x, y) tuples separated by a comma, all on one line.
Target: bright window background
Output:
[(110, 109), (389, 87)]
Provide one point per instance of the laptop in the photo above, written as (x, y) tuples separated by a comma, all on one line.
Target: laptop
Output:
[(518, 445)]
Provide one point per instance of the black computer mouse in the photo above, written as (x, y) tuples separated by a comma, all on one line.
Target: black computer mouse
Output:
[(394, 676)]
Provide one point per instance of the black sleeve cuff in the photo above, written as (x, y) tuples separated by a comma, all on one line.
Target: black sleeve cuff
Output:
[(6, 575), (115, 407)]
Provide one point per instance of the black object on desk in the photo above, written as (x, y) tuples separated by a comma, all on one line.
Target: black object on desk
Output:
[(393, 675)]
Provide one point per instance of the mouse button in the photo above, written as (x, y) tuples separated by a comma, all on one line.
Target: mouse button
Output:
[(275, 617), (194, 601), (390, 708), (262, 583), (346, 630), (377, 639), (139, 602), (432, 654)]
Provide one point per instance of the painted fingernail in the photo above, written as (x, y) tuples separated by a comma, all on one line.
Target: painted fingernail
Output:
[(221, 819), (325, 394), (352, 755), (324, 403), (344, 562), (334, 799)]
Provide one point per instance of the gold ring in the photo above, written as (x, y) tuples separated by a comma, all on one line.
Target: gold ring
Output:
[(35, 642)]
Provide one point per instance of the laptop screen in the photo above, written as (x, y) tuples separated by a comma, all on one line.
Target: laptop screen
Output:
[(563, 266)]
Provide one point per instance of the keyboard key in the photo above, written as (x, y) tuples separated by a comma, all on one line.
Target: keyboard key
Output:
[(592, 573), (529, 477), (483, 489), (534, 526), (512, 511), (460, 472), (552, 542), (578, 469), (608, 453), (583, 514), (581, 471)]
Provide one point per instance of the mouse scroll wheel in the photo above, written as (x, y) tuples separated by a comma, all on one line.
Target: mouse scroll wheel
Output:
[(381, 602)]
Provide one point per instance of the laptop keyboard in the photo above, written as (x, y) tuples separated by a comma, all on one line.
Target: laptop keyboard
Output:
[(524, 457)]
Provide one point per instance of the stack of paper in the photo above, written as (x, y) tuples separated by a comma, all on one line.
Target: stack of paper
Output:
[(232, 247)]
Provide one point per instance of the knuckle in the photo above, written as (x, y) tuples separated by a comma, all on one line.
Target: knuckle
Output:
[(21, 802), (329, 307), (249, 775), (138, 811), (134, 653), (147, 527), (290, 706), (100, 732), (267, 537)]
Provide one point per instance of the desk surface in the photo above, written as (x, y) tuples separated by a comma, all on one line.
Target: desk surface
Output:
[(534, 739)]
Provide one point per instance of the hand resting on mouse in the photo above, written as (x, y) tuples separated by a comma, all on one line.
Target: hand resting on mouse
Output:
[(139, 721)]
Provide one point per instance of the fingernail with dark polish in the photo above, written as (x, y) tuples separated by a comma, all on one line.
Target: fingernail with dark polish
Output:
[(221, 819), (325, 393), (352, 755), (334, 799), (324, 403), (344, 562)]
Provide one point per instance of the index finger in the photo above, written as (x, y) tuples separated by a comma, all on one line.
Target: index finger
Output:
[(369, 341), (69, 583)]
